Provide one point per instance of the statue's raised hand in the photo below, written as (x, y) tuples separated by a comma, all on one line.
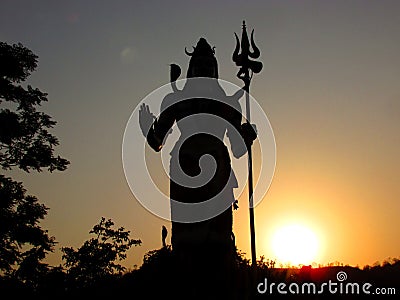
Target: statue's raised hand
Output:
[(146, 119)]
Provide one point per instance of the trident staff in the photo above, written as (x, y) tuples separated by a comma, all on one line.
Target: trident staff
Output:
[(247, 68)]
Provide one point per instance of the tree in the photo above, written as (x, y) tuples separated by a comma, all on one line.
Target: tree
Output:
[(24, 138), (98, 257), (25, 144), (20, 215)]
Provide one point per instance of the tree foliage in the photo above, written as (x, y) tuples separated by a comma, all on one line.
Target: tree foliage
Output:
[(22, 240), (98, 257), (25, 144), (25, 141)]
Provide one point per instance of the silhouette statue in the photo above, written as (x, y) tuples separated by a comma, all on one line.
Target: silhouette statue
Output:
[(205, 249), (164, 233)]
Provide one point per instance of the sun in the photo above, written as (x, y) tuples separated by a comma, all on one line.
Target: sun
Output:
[(295, 245)]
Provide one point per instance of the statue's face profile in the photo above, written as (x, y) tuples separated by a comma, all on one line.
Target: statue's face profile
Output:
[(203, 67)]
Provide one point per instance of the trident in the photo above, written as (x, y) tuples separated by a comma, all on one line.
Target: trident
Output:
[(247, 68)]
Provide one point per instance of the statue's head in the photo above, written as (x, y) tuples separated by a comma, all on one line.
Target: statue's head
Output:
[(202, 62)]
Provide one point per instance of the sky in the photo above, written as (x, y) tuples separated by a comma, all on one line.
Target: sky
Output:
[(330, 88)]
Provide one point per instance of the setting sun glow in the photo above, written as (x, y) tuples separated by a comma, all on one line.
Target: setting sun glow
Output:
[(295, 244)]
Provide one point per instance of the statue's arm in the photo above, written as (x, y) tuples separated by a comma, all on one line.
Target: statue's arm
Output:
[(241, 136), (153, 140), (162, 126)]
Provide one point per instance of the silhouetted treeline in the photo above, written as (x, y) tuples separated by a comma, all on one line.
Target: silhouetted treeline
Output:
[(156, 279), (26, 144)]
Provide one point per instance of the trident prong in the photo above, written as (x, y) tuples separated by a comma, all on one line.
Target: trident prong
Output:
[(243, 60)]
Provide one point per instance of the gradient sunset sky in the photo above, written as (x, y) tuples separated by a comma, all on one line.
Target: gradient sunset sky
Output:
[(330, 87)]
